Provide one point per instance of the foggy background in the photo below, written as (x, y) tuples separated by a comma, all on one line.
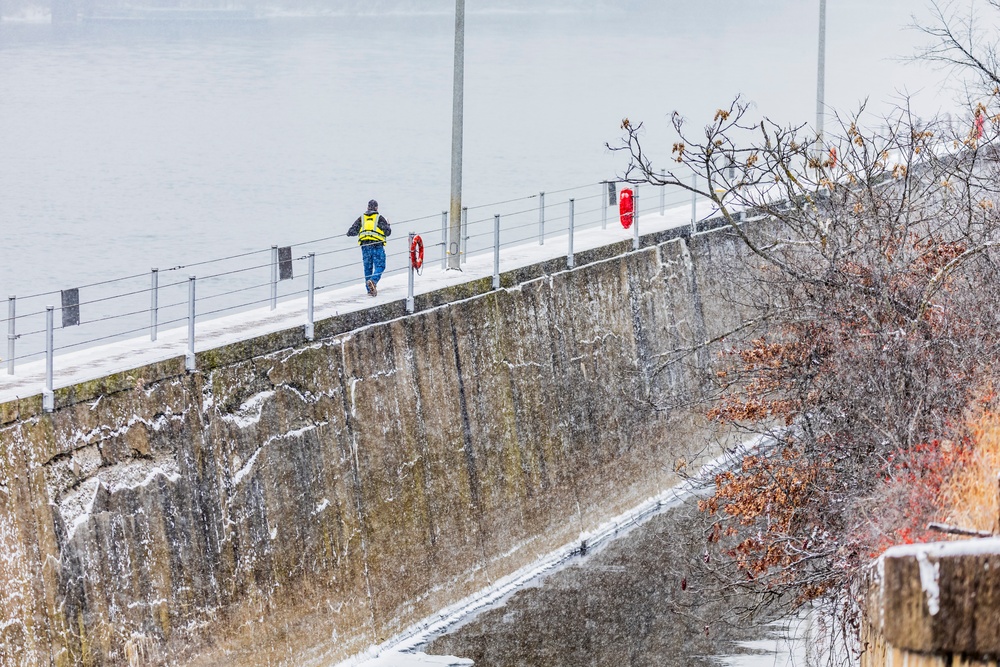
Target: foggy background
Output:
[(122, 149)]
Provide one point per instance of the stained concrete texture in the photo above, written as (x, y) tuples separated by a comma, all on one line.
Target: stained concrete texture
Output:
[(647, 599), (939, 599), (292, 503)]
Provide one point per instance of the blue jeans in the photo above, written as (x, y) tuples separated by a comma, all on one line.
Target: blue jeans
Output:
[(373, 257)]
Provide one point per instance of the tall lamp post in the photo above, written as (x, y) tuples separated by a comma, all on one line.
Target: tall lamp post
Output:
[(455, 212), (821, 75)]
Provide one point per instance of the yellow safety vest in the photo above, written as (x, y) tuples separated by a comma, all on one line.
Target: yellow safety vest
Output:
[(370, 231)]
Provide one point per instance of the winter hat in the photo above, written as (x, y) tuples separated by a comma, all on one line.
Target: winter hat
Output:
[(372, 205)]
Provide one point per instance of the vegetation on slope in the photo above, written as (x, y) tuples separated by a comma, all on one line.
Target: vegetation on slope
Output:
[(869, 347)]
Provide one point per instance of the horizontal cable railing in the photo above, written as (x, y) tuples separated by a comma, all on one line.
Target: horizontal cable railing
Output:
[(130, 306)]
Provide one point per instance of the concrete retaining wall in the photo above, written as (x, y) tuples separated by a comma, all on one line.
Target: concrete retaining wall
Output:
[(935, 605), (295, 502)]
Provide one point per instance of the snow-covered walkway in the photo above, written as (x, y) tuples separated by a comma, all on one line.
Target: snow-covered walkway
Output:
[(99, 361)]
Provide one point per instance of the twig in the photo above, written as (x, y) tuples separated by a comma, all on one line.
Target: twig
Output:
[(956, 530)]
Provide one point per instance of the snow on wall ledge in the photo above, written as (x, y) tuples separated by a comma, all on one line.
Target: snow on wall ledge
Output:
[(934, 604), (296, 502)]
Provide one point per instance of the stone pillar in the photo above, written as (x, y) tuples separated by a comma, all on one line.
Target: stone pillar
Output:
[(939, 600)]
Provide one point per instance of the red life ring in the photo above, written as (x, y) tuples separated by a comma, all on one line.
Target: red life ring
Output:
[(625, 207), (417, 252)]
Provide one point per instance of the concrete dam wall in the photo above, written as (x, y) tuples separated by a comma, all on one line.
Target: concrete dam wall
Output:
[(295, 502), (934, 605)]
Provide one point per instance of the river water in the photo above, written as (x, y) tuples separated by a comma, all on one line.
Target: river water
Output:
[(167, 147), (123, 150)]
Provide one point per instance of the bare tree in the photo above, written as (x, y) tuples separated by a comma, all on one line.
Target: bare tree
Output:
[(961, 43), (873, 274)]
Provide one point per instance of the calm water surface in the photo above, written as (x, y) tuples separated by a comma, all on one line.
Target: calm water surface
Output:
[(122, 151)]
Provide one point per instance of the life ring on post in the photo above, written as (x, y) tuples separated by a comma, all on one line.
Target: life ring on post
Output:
[(625, 207), (417, 253)]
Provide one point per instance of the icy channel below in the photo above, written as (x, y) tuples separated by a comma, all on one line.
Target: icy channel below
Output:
[(642, 594)]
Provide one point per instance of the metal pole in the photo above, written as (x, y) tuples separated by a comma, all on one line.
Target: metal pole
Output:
[(154, 288), (454, 261), (569, 255), (409, 282), (663, 192), (311, 299), (11, 331), (604, 205), (694, 204), (821, 76), (189, 363), (635, 219), (541, 218), (48, 398), (274, 277), (496, 251), (444, 240), (465, 234)]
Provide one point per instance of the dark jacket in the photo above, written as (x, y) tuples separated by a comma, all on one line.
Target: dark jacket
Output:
[(382, 223)]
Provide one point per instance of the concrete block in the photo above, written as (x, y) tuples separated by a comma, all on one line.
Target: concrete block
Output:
[(942, 598)]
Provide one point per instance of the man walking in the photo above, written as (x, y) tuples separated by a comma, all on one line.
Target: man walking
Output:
[(371, 230)]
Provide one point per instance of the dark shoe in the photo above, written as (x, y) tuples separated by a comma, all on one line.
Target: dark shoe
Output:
[(371, 288)]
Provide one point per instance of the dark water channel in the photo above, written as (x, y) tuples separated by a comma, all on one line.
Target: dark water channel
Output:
[(648, 598)]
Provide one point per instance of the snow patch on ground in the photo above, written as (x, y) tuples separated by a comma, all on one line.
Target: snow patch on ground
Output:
[(417, 659)]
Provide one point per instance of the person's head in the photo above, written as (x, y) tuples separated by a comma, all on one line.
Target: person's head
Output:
[(372, 205)]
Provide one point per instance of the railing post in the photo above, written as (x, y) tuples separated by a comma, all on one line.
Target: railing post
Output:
[(409, 280), (541, 218), (694, 203), (569, 254), (189, 362), (11, 331), (48, 397), (444, 240), (496, 251), (311, 299), (635, 218), (663, 192), (274, 277), (465, 233), (604, 204), (154, 288)]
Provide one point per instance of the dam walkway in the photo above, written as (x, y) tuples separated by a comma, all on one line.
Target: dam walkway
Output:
[(84, 363)]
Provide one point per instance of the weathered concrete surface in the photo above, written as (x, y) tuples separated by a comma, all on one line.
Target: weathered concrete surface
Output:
[(646, 599), (880, 654), (294, 502), (935, 604)]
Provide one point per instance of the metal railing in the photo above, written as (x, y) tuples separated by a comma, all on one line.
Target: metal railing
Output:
[(147, 304)]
